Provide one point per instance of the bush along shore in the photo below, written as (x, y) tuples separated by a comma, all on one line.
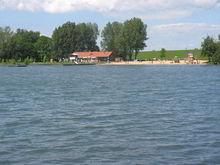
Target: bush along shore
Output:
[(18, 63)]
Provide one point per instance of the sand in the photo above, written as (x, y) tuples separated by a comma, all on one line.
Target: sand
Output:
[(182, 62)]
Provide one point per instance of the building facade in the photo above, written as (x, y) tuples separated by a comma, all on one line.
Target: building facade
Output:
[(91, 57)]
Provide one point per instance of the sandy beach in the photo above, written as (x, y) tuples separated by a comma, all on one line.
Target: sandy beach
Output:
[(167, 62)]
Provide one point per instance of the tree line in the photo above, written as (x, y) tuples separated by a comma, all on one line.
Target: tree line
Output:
[(211, 49), (123, 39)]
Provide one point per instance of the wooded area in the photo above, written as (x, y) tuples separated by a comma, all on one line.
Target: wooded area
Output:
[(123, 39)]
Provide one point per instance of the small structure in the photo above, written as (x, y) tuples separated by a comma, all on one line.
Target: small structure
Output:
[(118, 59), (190, 57), (91, 56), (73, 57)]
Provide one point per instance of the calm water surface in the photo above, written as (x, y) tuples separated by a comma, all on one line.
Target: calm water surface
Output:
[(121, 115)]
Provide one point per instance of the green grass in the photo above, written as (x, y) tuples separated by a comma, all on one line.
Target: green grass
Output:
[(170, 54)]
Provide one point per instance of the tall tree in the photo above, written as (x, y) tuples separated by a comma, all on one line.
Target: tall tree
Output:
[(125, 39), (113, 40), (5, 37), (162, 53), (136, 35), (87, 35), (64, 39), (72, 37), (44, 48), (208, 47), (216, 56)]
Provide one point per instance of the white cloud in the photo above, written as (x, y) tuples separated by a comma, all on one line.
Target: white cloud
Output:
[(185, 27), (150, 9), (167, 14), (180, 35)]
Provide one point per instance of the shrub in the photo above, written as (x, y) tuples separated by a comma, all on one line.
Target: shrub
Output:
[(26, 61)]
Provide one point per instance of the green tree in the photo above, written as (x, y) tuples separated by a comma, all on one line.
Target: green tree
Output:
[(22, 45), (5, 37), (44, 48), (208, 47), (87, 35), (162, 53), (124, 39), (71, 37), (113, 40), (64, 39), (136, 35), (216, 56)]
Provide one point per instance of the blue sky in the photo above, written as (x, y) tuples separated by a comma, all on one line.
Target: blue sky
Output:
[(172, 24)]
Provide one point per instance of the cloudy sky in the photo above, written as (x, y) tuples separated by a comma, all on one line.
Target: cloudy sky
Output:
[(172, 24)]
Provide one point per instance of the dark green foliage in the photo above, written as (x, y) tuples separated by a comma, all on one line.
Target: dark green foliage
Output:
[(5, 37), (22, 45), (208, 47), (216, 56), (211, 49), (71, 37), (64, 39), (86, 37), (44, 48), (112, 39), (12, 61), (26, 61), (135, 36), (124, 39), (162, 53)]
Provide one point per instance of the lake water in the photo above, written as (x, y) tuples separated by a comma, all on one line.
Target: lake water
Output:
[(121, 115)]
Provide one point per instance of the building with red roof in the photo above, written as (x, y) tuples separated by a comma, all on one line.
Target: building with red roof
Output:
[(91, 56)]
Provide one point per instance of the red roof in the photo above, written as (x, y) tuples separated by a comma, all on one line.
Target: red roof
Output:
[(93, 54)]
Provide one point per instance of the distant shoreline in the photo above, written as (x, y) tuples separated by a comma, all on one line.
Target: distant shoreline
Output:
[(167, 62)]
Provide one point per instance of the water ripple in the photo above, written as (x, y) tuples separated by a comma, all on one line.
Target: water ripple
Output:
[(110, 115)]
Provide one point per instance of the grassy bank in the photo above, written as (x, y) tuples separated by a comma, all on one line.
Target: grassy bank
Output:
[(170, 54)]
